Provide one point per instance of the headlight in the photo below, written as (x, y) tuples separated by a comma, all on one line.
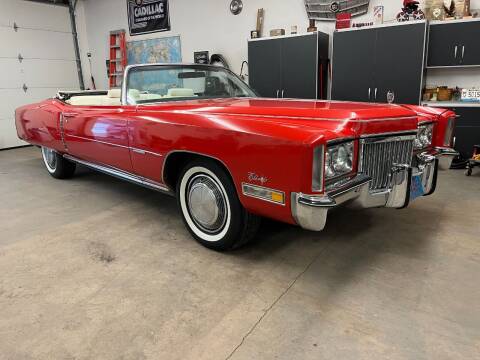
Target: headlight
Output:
[(339, 160), (424, 136)]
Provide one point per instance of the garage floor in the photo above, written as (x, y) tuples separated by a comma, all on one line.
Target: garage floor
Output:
[(94, 267)]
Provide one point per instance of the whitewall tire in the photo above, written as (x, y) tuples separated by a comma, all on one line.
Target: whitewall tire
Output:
[(210, 207), (56, 164)]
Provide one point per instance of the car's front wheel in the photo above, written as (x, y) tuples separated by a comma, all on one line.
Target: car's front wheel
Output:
[(57, 165), (210, 207)]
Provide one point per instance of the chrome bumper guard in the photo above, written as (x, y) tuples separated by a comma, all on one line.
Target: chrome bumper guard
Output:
[(310, 211)]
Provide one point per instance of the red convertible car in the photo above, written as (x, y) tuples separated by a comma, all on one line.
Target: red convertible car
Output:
[(199, 133)]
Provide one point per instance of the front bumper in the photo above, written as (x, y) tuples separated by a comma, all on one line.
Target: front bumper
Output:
[(310, 211)]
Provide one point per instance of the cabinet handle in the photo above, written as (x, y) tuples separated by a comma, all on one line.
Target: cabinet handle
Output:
[(369, 93), (456, 50), (463, 50), (376, 89), (278, 91), (283, 90)]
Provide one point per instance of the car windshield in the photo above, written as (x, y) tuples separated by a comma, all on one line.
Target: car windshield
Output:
[(159, 83)]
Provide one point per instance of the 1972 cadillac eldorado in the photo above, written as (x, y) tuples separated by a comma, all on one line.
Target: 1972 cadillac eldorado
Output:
[(200, 133)]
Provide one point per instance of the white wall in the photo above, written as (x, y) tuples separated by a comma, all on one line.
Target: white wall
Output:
[(48, 59), (209, 25)]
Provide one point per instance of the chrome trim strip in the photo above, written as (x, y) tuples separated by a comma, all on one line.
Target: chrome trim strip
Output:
[(97, 141), (328, 200), (340, 141), (138, 151), (194, 153), (359, 180), (264, 188), (134, 149), (398, 133), (122, 175), (386, 138), (426, 122)]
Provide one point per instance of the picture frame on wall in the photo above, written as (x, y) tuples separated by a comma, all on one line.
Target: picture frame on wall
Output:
[(148, 16)]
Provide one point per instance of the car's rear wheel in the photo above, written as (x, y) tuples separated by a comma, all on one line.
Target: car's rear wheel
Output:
[(210, 207), (57, 165)]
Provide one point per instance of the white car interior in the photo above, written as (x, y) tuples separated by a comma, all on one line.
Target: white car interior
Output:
[(112, 98)]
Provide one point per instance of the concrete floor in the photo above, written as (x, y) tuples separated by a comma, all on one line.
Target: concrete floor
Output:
[(97, 268)]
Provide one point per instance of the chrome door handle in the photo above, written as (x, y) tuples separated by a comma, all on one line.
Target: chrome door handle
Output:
[(138, 151), (463, 50), (369, 93), (69, 115), (376, 89), (456, 50), (283, 90), (278, 92)]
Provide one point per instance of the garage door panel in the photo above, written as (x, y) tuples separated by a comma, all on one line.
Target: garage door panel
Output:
[(36, 44), (32, 15), (8, 134), (47, 73), (45, 42), (14, 98), (12, 74)]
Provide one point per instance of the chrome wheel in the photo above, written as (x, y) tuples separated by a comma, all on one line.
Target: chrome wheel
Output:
[(206, 204), (50, 159)]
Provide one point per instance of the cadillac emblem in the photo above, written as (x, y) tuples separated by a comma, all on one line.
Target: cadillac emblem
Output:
[(334, 6), (390, 96)]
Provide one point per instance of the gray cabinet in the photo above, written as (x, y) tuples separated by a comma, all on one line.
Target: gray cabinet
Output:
[(374, 64), (454, 44), (467, 130), (289, 66), (353, 65)]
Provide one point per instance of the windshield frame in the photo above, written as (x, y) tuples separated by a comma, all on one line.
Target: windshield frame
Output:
[(200, 67)]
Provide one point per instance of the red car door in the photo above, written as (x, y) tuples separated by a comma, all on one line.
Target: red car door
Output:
[(148, 146), (99, 134)]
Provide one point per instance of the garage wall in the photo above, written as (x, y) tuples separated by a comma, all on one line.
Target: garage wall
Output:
[(209, 25), (201, 24), (44, 40)]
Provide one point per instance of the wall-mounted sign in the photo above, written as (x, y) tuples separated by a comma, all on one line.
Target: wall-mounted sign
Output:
[(201, 57), (147, 16), (328, 9)]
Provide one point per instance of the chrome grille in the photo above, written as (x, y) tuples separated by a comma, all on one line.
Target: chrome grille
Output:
[(378, 155)]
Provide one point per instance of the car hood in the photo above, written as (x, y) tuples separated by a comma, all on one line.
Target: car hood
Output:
[(340, 118)]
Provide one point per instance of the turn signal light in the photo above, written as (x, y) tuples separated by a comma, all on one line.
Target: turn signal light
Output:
[(264, 193)]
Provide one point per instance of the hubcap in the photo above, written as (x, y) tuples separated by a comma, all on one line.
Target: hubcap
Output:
[(49, 158), (206, 204)]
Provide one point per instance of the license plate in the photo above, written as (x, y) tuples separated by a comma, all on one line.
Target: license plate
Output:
[(416, 188)]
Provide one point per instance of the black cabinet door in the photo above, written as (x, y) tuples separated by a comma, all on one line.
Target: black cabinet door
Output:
[(299, 67), (265, 67), (443, 45), (467, 130), (353, 65), (399, 54), (469, 42)]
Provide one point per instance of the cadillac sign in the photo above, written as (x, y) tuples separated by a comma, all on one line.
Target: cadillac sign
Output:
[(147, 16)]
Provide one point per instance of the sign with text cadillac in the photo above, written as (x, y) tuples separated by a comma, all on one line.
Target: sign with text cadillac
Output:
[(147, 16)]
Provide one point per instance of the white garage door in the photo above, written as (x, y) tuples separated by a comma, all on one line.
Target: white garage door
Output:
[(44, 40)]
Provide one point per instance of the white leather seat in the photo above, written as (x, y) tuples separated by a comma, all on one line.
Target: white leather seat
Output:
[(180, 92)]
